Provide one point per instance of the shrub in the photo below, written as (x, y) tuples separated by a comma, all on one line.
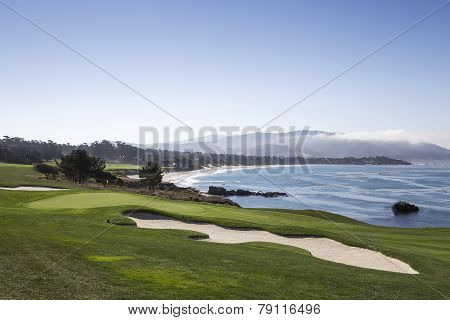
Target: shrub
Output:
[(104, 177), (79, 166), (121, 221), (50, 171)]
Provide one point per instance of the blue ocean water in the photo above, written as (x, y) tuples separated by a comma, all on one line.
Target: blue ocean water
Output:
[(364, 193)]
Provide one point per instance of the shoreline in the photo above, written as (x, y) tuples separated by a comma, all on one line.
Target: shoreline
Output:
[(182, 177)]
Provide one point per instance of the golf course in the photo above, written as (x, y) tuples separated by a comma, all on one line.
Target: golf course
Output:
[(80, 244)]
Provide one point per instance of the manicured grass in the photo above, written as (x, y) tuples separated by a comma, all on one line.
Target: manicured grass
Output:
[(122, 166), (16, 175), (122, 221), (89, 200), (124, 169), (58, 245)]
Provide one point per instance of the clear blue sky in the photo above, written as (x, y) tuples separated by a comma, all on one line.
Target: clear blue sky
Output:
[(222, 63)]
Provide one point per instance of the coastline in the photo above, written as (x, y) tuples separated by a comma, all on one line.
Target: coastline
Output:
[(179, 177), (182, 177)]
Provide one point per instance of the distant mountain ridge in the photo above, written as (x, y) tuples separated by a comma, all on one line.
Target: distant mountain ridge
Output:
[(310, 144)]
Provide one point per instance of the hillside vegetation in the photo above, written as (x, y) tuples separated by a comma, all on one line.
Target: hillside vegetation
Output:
[(18, 150)]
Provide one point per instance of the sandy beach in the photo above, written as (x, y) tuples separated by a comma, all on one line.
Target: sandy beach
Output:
[(183, 178)]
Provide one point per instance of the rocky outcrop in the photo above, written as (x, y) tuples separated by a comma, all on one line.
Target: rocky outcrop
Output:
[(404, 207), (219, 191), (169, 186)]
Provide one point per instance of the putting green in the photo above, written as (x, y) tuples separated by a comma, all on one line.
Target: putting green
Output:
[(90, 200), (197, 211)]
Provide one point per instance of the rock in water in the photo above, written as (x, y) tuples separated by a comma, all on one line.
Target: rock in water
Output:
[(404, 207), (219, 191)]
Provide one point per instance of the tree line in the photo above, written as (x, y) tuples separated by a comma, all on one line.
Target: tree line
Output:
[(18, 150), (79, 167)]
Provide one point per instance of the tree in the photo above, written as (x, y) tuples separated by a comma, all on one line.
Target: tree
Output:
[(151, 174), (104, 177), (80, 166), (50, 171)]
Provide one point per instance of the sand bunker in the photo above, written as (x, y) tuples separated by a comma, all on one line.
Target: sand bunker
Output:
[(31, 189), (321, 248)]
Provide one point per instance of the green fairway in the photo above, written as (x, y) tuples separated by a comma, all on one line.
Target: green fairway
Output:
[(122, 166), (58, 245), (124, 169), (15, 175)]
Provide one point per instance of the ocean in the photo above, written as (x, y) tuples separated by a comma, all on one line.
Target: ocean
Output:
[(364, 193)]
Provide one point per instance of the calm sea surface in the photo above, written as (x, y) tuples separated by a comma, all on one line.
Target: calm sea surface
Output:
[(364, 193)]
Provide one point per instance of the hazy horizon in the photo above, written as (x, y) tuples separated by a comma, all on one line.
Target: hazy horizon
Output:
[(224, 63), (379, 136)]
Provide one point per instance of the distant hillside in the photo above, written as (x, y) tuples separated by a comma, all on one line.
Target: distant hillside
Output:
[(17, 150), (312, 144)]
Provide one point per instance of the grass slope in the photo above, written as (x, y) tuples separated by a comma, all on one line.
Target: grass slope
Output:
[(58, 245), (16, 175)]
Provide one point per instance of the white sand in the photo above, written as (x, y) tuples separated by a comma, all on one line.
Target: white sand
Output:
[(182, 177), (31, 189), (321, 248)]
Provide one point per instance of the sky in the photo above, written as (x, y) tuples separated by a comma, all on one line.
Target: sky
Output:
[(223, 63)]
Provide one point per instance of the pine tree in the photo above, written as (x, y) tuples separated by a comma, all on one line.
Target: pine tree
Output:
[(151, 174)]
